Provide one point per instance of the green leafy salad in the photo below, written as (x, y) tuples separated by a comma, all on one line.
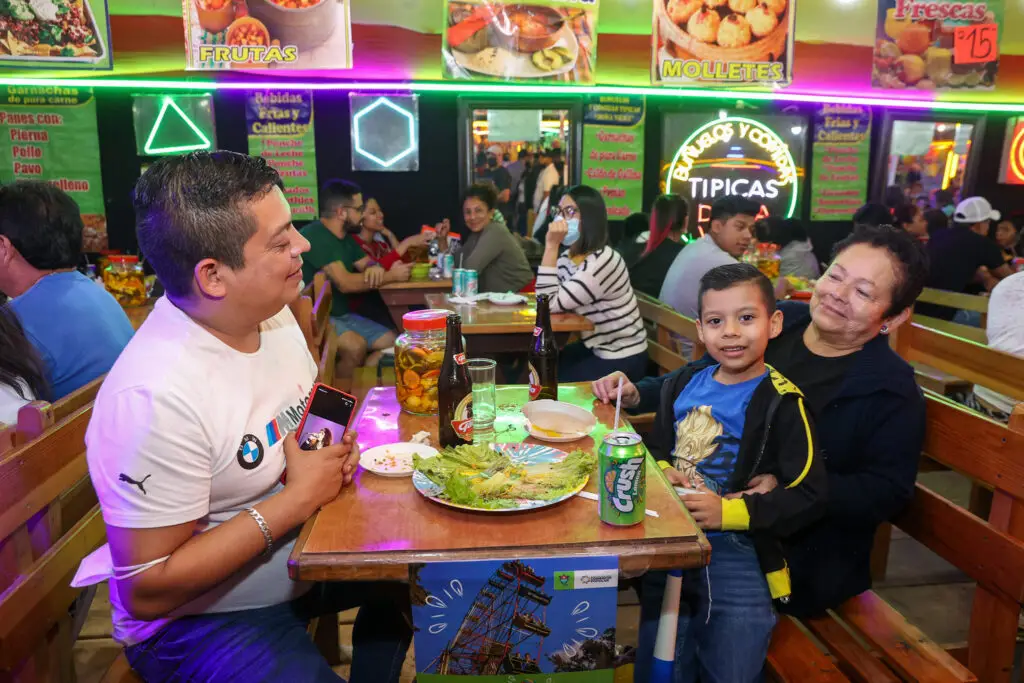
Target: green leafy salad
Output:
[(479, 477)]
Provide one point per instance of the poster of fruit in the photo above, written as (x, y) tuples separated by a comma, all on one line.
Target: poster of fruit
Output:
[(545, 40), (723, 42), (267, 34), (937, 44), (55, 34), (516, 621)]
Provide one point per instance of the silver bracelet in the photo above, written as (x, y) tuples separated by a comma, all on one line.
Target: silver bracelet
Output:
[(268, 538)]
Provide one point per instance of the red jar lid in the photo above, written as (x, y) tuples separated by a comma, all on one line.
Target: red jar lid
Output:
[(423, 321), (124, 258)]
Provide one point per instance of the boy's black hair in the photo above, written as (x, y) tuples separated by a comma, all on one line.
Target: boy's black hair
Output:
[(724, 208), (730, 275)]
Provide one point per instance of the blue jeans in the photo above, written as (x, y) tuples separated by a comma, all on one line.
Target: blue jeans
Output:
[(731, 645), (271, 644), (370, 330)]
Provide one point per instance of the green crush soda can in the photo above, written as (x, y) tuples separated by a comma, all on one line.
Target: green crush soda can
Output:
[(623, 471)]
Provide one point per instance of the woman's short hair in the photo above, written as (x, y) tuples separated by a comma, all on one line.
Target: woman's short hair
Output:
[(872, 214), (779, 230), (905, 251), (904, 213), (593, 219), (485, 192), (936, 220)]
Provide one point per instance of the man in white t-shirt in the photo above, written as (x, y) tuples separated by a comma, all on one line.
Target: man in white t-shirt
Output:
[(731, 232), (190, 437), (547, 179)]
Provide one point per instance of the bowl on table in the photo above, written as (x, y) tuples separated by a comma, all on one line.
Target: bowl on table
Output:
[(557, 421), (420, 271)]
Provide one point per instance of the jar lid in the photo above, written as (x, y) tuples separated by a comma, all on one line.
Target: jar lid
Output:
[(124, 258), (422, 321)]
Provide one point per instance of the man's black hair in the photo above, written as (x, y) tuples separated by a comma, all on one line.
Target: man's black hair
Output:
[(336, 193), (909, 258), (193, 207), (42, 222), (725, 277), (872, 214), (724, 208)]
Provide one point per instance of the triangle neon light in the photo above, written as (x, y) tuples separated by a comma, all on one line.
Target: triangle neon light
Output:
[(202, 143)]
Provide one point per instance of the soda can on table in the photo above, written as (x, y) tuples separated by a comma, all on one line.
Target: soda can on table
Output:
[(447, 264), (470, 284), (458, 282), (622, 466)]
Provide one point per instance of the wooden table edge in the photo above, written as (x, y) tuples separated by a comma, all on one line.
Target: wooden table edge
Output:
[(440, 285)]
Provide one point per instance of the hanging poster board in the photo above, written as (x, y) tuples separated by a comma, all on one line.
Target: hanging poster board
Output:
[(50, 134), (514, 621), (613, 151), (841, 158), (280, 127), (55, 34)]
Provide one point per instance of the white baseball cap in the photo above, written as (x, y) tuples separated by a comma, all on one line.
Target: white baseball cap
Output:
[(975, 210)]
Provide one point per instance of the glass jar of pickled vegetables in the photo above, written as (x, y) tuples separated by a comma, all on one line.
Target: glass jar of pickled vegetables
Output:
[(768, 260), (419, 352), (124, 278)]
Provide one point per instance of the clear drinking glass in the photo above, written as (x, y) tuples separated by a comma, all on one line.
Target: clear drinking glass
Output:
[(481, 374)]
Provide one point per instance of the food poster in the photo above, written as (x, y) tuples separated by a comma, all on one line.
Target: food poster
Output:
[(613, 151), (280, 126), (841, 155), (545, 40), (50, 134), (548, 620), (262, 34), (937, 44), (55, 34), (723, 42)]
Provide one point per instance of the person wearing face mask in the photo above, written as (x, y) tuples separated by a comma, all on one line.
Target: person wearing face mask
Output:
[(731, 232), (488, 248), (591, 279)]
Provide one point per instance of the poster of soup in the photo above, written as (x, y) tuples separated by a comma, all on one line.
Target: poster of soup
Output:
[(268, 34), (916, 44), (723, 42), (543, 41)]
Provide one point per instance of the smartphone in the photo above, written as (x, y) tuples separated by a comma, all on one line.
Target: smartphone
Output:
[(328, 416)]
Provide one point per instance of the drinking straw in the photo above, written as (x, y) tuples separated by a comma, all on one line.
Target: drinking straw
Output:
[(618, 404), (665, 643)]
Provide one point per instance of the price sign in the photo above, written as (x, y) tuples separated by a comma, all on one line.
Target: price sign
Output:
[(976, 44)]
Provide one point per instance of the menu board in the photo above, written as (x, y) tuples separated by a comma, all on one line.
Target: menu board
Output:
[(49, 134), (545, 40), (937, 44), (515, 621), (259, 34), (841, 154), (280, 126), (55, 34), (739, 42), (613, 151)]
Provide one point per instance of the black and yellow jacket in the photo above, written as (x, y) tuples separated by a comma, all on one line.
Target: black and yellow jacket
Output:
[(778, 438)]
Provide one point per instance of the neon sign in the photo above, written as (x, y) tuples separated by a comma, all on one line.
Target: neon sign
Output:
[(1012, 169), (735, 156)]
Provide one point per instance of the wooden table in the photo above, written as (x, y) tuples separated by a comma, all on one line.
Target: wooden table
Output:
[(399, 297), (378, 525), (138, 314), (491, 329)]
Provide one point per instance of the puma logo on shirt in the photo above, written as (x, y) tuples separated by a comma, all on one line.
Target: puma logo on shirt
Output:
[(128, 480)]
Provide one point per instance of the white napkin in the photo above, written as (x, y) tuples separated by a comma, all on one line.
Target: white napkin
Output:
[(468, 300)]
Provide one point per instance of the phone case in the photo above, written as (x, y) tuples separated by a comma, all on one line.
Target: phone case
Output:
[(309, 404)]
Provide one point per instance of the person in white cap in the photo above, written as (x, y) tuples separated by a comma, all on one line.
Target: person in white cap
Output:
[(964, 259)]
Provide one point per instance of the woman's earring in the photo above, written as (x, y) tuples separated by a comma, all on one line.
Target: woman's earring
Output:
[(885, 329)]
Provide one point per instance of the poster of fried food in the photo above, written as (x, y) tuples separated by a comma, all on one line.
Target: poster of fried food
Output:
[(55, 34), (723, 42), (267, 34), (542, 41), (915, 44)]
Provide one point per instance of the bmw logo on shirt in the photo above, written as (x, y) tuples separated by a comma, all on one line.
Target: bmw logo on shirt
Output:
[(250, 452)]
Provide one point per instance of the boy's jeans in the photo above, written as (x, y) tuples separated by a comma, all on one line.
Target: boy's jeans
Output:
[(733, 645), (271, 644)]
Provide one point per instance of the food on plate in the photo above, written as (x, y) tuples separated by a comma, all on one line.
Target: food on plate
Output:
[(295, 4), (777, 6), (393, 462), (558, 424), (704, 25), (545, 60), (247, 31), (762, 20), (47, 28), (680, 11), (734, 32), (479, 477), (742, 6)]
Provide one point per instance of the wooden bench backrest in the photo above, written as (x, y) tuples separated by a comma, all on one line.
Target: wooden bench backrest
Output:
[(323, 301), (41, 546), (942, 297), (302, 309), (38, 416), (666, 321)]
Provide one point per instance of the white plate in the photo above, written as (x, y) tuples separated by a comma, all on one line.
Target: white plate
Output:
[(574, 422), (506, 299), (394, 459), (519, 65)]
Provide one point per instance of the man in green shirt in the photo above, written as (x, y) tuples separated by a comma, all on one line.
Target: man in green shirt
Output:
[(333, 251)]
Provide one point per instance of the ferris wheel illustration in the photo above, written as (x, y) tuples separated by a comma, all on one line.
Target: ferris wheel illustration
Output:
[(504, 629)]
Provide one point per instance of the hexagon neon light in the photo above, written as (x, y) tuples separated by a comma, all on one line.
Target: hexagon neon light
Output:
[(410, 119)]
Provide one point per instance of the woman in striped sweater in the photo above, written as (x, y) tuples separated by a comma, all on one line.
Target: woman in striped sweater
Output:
[(592, 280)]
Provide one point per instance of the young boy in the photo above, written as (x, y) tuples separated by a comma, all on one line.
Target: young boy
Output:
[(719, 426)]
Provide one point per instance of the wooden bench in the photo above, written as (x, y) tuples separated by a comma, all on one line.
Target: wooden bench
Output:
[(959, 301), (37, 416)]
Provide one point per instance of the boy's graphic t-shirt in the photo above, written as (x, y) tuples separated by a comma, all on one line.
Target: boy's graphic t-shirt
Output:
[(709, 425)]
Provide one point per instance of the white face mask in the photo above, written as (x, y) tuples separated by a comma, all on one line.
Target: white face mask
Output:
[(574, 232)]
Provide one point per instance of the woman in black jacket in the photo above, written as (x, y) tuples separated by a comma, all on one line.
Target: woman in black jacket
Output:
[(665, 241), (869, 412)]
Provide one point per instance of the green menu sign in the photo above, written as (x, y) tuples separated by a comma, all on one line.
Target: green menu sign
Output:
[(49, 133), (613, 151), (841, 159), (280, 125)]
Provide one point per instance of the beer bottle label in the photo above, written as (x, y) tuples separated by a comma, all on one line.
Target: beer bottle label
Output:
[(537, 330), (535, 386), (460, 358), (462, 418)]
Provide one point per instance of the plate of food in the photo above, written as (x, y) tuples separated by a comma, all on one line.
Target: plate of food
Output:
[(507, 477), (58, 30), (506, 298), (557, 422), (394, 459)]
